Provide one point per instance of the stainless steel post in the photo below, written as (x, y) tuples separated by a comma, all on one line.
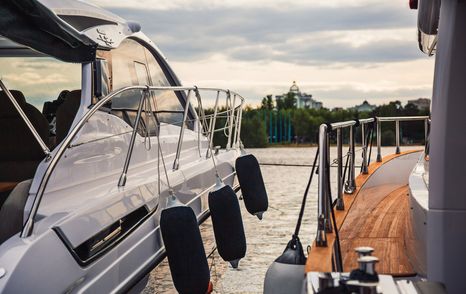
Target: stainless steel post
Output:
[(351, 183), (340, 203), (238, 132), (213, 120), (199, 117), (364, 168), (328, 192), (397, 133), (237, 122), (379, 141), (176, 163), (232, 119), (321, 236), (122, 180)]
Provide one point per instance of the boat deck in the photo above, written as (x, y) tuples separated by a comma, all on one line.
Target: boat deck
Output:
[(376, 216), (382, 227)]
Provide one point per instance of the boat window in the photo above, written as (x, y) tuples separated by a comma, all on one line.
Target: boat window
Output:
[(168, 104), (133, 64)]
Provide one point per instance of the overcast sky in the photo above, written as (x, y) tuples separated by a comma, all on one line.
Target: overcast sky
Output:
[(340, 51)]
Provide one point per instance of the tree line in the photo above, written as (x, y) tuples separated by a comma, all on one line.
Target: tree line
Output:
[(270, 125)]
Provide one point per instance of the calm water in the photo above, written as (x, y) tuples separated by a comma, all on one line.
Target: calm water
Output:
[(266, 239)]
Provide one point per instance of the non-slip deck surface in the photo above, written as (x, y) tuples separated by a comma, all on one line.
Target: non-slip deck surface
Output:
[(383, 227)]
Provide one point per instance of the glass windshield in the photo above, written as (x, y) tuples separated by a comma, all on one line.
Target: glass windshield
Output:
[(40, 79)]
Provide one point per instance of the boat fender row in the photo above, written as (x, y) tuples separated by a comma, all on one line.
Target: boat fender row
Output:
[(227, 224), (185, 250), (252, 185)]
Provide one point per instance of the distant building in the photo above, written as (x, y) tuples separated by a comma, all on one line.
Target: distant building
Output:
[(364, 107), (303, 100), (421, 103)]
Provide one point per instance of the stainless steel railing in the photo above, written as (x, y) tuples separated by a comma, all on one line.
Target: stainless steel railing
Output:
[(397, 120), (232, 113), (348, 186)]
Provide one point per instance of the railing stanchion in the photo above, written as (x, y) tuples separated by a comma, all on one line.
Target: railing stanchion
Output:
[(351, 183), (237, 126), (397, 133), (321, 236), (379, 141), (129, 153), (213, 121), (328, 192), (238, 132), (340, 203), (176, 163), (232, 119), (364, 168)]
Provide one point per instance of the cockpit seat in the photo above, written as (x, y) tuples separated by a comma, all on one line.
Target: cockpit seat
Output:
[(12, 211), (66, 113), (20, 153)]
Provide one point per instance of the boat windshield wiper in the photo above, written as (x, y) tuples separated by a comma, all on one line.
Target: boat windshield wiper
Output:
[(26, 120)]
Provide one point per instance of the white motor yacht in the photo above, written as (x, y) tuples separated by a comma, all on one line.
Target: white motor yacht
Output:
[(96, 133)]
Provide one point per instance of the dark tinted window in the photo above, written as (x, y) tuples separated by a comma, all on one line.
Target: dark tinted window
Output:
[(133, 64)]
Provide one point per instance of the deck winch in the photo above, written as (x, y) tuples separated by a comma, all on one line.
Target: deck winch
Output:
[(252, 185), (227, 223)]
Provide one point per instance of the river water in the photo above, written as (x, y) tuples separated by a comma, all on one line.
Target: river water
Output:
[(266, 239)]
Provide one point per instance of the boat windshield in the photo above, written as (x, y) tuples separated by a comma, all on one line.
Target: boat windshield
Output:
[(42, 87)]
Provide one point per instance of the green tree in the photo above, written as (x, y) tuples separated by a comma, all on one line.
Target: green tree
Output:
[(253, 131), (289, 101), (267, 102), (301, 123)]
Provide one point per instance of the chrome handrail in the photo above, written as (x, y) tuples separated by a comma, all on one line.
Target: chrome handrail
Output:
[(323, 211), (397, 120), (56, 154)]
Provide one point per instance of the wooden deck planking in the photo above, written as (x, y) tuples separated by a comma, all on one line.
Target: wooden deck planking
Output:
[(384, 230), (320, 258)]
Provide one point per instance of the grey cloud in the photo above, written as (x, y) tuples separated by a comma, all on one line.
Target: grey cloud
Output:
[(262, 34)]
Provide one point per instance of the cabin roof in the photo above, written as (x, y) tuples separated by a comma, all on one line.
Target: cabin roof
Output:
[(70, 30)]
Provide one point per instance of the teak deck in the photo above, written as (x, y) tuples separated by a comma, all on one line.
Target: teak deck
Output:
[(377, 217)]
